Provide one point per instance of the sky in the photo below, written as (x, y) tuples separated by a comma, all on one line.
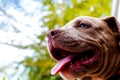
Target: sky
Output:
[(9, 56), (27, 21), (26, 24)]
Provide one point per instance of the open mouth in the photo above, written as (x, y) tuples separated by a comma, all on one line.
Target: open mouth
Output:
[(72, 60)]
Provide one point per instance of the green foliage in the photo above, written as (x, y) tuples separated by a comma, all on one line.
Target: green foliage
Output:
[(38, 66), (3, 78), (72, 8)]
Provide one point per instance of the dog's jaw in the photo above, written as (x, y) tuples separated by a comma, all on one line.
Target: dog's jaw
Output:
[(74, 61)]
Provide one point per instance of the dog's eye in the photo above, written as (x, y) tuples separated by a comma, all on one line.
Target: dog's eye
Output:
[(83, 25)]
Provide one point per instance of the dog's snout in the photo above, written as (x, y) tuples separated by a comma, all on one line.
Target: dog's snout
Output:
[(53, 33)]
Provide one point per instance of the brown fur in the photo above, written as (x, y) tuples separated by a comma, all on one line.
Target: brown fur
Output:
[(101, 34)]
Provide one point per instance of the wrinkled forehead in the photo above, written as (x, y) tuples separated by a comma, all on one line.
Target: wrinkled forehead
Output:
[(84, 19)]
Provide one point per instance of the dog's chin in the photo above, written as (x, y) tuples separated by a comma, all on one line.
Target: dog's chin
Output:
[(71, 64)]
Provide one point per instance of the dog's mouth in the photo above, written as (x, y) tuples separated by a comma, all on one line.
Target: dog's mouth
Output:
[(66, 59)]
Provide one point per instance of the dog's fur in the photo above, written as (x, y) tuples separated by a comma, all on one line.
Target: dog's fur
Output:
[(84, 33)]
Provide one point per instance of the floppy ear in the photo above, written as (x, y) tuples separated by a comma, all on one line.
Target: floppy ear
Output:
[(112, 23), (114, 26)]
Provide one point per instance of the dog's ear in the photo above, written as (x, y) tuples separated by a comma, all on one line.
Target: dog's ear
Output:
[(112, 23), (114, 26)]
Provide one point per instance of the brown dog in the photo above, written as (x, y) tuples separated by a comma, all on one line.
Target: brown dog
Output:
[(86, 48)]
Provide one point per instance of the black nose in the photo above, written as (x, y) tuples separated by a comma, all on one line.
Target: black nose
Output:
[(53, 33)]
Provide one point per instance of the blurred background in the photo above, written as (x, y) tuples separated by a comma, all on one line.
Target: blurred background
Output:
[(23, 28)]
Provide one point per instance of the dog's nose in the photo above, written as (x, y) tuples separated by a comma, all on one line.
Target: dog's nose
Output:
[(53, 33)]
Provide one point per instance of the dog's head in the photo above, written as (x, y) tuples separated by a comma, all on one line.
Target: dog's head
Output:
[(86, 48)]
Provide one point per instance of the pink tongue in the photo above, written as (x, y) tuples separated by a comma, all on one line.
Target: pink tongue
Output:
[(58, 67)]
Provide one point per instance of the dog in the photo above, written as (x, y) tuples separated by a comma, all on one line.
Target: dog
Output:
[(86, 48)]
